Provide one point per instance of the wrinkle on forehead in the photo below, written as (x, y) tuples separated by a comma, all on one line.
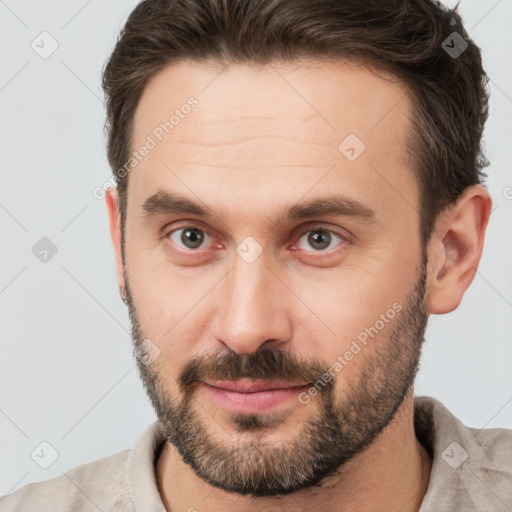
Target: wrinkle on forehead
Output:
[(313, 99), (277, 124)]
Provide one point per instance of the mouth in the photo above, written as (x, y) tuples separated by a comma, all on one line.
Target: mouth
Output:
[(253, 396)]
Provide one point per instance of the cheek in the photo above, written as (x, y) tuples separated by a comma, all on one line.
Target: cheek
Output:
[(174, 313), (344, 301), (347, 318)]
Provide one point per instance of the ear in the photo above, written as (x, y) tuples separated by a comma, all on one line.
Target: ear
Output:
[(111, 199), (455, 249)]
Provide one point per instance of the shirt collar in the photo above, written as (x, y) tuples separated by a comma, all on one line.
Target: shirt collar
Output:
[(471, 470), (141, 470)]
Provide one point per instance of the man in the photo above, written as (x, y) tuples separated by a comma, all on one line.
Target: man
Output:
[(299, 186)]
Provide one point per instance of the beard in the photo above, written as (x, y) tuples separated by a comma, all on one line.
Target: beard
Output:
[(343, 426)]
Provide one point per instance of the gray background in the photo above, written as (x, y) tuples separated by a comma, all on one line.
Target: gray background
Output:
[(67, 374)]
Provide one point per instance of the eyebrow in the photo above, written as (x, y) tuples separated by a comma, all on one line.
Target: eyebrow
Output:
[(164, 203)]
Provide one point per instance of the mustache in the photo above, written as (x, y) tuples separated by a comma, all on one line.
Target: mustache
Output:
[(266, 364)]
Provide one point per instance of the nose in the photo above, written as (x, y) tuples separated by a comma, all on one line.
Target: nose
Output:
[(252, 308)]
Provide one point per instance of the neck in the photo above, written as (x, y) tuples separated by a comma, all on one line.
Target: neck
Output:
[(392, 473)]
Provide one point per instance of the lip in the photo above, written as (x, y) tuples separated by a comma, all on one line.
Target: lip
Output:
[(252, 386), (253, 396)]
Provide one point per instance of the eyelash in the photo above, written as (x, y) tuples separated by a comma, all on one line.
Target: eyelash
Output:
[(316, 227)]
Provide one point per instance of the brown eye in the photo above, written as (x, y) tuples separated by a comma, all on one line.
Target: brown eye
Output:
[(320, 239), (188, 237)]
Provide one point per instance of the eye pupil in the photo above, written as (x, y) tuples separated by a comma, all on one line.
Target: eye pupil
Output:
[(190, 235), (323, 239)]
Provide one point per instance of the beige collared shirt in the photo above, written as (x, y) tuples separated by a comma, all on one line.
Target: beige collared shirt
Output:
[(471, 472)]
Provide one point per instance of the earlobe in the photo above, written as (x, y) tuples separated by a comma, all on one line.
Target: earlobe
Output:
[(456, 248), (111, 199)]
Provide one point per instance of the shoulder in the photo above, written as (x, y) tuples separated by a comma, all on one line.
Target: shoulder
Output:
[(96, 485), (438, 425), (471, 467)]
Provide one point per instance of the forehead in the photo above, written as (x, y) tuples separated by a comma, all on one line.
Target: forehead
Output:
[(280, 128), (324, 97)]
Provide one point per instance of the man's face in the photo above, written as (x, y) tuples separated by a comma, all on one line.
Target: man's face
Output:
[(328, 307)]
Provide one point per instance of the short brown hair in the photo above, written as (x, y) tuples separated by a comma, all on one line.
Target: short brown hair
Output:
[(405, 37)]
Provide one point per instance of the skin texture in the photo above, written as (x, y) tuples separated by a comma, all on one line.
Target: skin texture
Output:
[(261, 139)]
